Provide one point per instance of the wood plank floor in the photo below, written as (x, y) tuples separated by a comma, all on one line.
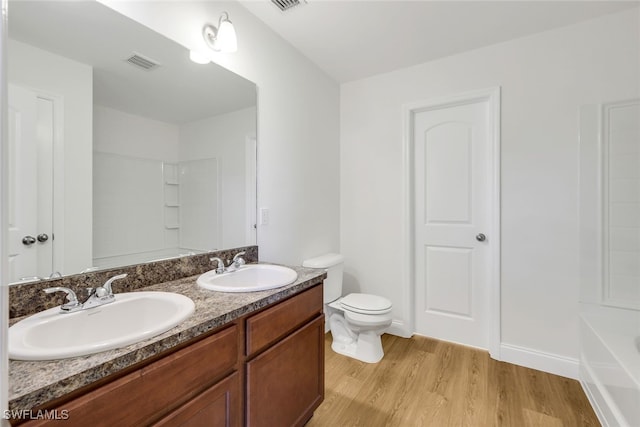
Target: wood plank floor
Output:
[(426, 382)]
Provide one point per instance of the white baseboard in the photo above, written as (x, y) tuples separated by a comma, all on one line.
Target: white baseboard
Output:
[(534, 359), (547, 362), (399, 328)]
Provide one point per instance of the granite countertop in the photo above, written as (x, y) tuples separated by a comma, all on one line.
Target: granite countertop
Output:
[(33, 383)]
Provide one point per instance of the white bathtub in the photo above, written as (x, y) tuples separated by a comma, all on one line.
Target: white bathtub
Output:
[(610, 363)]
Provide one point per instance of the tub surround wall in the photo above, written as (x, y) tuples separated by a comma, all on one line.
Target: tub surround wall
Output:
[(29, 298), (609, 324), (170, 216), (610, 363)]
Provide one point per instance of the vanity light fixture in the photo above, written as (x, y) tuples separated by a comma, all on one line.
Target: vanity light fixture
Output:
[(223, 38), (199, 57)]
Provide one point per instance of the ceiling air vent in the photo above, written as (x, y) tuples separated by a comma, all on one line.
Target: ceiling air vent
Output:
[(286, 4), (140, 61)]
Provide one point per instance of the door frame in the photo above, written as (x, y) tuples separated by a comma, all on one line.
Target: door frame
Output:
[(492, 97)]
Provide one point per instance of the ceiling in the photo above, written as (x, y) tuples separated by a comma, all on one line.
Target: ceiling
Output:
[(354, 39)]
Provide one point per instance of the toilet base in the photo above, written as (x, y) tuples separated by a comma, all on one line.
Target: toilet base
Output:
[(359, 337), (366, 348)]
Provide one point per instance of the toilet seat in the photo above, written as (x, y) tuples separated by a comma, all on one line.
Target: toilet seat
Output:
[(358, 319), (366, 304)]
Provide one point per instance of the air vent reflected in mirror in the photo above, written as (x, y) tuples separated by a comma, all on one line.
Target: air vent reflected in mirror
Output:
[(143, 62), (284, 5)]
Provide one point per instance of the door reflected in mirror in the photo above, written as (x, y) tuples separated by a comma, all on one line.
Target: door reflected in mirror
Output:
[(114, 162)]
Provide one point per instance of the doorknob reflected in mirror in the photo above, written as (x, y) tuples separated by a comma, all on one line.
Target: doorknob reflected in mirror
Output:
[(43, 237), (481, 237), (28, 240)]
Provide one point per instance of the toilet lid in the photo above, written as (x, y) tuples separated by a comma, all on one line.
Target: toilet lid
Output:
[(366, 304)]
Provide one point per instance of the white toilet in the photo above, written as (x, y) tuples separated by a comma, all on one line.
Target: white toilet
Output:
[(356, 320)]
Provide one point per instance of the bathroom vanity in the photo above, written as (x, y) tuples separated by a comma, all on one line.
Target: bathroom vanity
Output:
[(252, 359)]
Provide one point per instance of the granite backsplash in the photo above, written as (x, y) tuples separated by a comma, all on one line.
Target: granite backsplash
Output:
[(29, 298)]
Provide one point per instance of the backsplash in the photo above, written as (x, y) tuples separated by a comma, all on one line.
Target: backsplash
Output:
[(29, 298)]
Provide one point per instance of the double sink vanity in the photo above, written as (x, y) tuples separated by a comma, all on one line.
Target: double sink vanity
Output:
[(173, 351)]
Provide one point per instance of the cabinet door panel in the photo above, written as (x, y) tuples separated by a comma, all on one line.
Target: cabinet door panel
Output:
[(218, 406), (285, 384)]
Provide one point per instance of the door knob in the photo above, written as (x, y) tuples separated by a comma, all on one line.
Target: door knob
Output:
[(43, 237), (28, 240), (481, 237)]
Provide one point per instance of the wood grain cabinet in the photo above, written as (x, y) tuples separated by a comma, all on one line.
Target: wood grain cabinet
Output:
[(215, 407), (285, 361), (146, 394), (285, 384), (266, 369)]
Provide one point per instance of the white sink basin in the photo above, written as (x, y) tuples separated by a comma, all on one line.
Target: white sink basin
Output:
[(132, 317), (248, 278)]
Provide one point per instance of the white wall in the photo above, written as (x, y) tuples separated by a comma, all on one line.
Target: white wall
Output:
[(72, 82), (117, 132), (298, 124), (224, 137), (545, 78)]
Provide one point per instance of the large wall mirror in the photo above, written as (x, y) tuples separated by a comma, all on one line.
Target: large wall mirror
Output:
[(121, 150)]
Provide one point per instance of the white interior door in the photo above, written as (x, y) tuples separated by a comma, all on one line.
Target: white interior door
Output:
[(452, 221), (30, 184)]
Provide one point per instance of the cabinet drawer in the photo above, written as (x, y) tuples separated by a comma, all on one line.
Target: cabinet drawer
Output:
[(269, 326), (153, 390)]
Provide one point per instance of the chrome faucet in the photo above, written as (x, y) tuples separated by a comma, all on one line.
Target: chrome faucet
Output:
[(72, 303), (97, 296), (105, 290), (220, 269), (237, 262), (102, 294)]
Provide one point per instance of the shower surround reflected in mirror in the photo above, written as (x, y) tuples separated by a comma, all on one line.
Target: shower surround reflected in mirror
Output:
[(122, 150)]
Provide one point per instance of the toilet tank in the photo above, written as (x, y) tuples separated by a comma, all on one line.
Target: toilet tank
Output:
[(334, 265)]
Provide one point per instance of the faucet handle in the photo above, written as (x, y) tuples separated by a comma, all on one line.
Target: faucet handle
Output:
[(220, 269), (238, 261), (71, 298), (105, 290)]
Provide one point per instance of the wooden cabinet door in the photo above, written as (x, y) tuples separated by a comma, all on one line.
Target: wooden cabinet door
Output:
[(218, 406), (285, 384)]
